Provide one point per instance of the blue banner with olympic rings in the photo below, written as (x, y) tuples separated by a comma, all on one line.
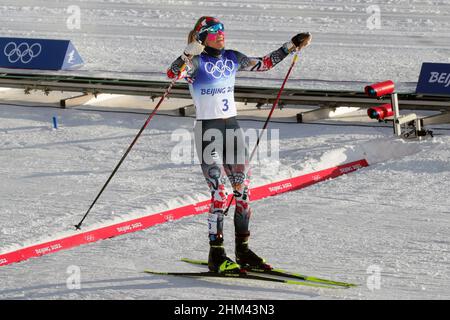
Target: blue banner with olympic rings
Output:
[(42, 54)]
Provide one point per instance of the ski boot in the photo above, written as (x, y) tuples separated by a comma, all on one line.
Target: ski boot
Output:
[(247, 259), (219, 262)]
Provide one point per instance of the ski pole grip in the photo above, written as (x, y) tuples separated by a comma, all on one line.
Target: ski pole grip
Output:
[(183, 67)]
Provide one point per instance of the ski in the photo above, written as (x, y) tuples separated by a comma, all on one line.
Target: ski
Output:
[(285, 274), (242, 275)]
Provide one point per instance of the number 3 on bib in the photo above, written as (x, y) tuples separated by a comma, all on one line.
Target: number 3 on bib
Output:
[(225, 105)]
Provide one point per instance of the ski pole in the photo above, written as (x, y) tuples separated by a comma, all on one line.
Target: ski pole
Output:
[(166, 93), (294, 60)]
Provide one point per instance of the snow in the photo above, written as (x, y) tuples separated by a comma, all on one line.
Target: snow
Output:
[(392, 216), (133, 38)]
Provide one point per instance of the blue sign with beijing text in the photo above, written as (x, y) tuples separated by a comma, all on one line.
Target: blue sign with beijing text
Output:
[(434, 79), (39, 54)]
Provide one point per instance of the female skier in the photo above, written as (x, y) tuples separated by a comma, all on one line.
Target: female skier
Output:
[(210, 71)]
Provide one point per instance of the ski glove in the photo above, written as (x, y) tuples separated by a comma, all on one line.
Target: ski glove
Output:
[(299, 41), (192, 49)]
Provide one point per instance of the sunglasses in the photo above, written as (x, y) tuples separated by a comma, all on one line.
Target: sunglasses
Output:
[(214, 29)]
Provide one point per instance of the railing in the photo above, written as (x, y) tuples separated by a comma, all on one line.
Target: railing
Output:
[(259, 95)]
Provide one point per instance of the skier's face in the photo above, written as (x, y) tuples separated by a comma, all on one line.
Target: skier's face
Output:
[(216, 40)]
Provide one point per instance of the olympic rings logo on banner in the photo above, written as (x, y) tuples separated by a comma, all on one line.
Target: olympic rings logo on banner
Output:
[(220, 68), (23, 52)]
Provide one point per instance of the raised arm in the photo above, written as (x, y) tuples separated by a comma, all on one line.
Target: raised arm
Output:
[(267, 62), (190, 58)]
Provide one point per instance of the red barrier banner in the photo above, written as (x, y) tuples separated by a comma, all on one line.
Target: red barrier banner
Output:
[(257, 193)]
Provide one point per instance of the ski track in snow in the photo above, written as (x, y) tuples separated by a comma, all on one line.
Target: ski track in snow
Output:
[(336, 229), (392, 215)]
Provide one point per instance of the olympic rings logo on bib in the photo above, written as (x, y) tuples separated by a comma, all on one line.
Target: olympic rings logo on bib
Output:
[(220, 68), (23, 52)]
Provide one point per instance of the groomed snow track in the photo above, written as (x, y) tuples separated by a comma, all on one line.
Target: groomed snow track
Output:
[(77, 238)]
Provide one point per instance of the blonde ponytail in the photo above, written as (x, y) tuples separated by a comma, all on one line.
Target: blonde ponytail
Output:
[(191, 36)]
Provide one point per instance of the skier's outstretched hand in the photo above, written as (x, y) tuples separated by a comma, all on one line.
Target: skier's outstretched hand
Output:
[(192, 49), (301, 40)]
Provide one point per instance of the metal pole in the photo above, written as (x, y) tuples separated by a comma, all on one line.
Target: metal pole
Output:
[(78, 226), (294, 60), (397, 126)]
